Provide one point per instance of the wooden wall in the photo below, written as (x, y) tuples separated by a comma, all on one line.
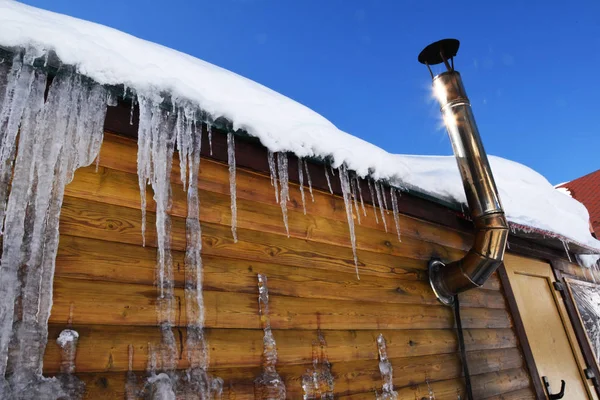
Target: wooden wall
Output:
[(105, 277)]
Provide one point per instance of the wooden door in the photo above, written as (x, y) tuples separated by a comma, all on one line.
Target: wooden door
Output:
[(549, 331)]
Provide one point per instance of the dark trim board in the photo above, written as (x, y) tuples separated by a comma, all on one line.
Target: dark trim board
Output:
[(521, 335)]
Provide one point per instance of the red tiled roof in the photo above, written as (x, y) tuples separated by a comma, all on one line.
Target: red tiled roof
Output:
[(587, 190)]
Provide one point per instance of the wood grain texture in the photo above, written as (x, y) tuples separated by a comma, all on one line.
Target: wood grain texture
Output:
[(105, 347), (235, 275), (523, 394), (354, 378), (105, 283), (128, 304)]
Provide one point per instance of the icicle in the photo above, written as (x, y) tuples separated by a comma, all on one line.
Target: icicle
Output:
[(143, 158), (373, 199), (385, 368), (344, 181), (199, 384), (318, 382), (395, 211), (269, 384), (282, 168), (71, 385), (383, 194), (362, 203), (429, 389), (354, 198), (182, 145), (111, 99), (67, 341), (156, 144), (56, 137), (273, 171), (232, 189), (209, 130), (310, 189), (327, 177), (156, 138), (19, 83), (332, 169), (566, 247), (301, 181), (380, 201), (133, 101), (131, 385)]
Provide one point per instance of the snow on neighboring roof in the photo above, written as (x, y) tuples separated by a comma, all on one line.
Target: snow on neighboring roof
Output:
[(586, 189), (113, 57), (563, 190)]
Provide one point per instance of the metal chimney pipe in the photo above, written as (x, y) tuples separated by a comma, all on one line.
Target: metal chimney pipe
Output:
[(491, 227)]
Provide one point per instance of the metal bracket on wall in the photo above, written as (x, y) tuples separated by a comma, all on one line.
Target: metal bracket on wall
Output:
[(589, 373), (559, 286)]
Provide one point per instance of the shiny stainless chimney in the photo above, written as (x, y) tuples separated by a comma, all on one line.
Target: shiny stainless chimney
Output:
[(491, 228)]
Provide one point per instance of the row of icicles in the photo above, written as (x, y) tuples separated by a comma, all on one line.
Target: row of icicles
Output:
[(160, 132), (62, 131)]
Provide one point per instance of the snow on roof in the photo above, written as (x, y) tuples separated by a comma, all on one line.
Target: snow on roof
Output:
[(113, 57), (586, 189)]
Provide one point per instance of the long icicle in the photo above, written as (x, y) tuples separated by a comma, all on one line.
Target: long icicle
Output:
[(269, 385), (383, 194), (355, 198), (345, 183), (209, 130), (380, 201), (156, 136), (232, 186), (282, 169), (386, 370), (308, 178), (273, 172), (328, 180), (301, 181), (200, 383), (362, 203), (20, 79), (56, 137), (395, 211), (373, 199)]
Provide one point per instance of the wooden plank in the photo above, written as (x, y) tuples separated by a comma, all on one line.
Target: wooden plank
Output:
[(350, 377), (90, 219), (84, 258), (575, 271), (443, 390), (119, 188), (118, 153), (127, 304), (105, 348), (523, 394), (496, 383)]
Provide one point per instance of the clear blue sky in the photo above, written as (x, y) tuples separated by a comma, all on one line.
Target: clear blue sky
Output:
[(530, 67)]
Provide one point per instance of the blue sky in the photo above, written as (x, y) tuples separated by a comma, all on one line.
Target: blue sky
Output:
[(530, 67)]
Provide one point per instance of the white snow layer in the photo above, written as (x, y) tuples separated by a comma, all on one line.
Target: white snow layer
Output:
[(113, 57)]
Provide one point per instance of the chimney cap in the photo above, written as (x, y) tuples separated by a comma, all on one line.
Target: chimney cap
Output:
[(439, 52)]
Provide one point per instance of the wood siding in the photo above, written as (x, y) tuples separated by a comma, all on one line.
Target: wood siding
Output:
[(105, 281)]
